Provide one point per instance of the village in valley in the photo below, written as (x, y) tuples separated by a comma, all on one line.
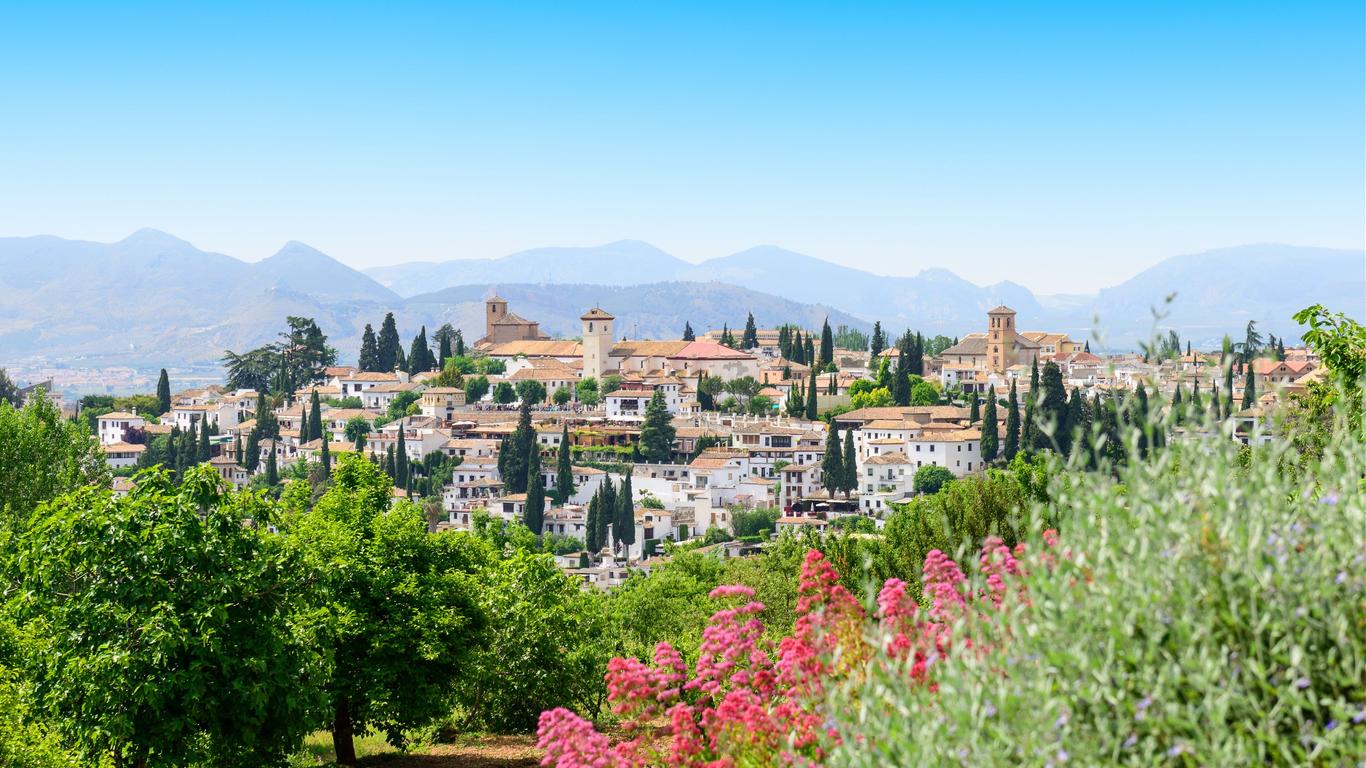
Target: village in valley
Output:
[(619, 451)]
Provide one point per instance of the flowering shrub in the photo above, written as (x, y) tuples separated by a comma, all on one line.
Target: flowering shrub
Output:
[(747, 702)]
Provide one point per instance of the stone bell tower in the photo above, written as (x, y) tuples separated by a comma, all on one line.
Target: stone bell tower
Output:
[(597, 343), (1000, 339)]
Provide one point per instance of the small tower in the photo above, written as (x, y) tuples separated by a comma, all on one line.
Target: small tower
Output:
[(1000, 338), (597, 343), (495, 307)]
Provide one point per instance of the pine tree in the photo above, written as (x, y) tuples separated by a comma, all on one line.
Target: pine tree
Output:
[(564, 469), (1012, 444), (327, 459), (390, 349), (657, 432), (878, 343), (252, 460), (688, 334), (750, 340), (827, 344), (832, 464), (1197, 407), (849, 477), (973, 413), (811, 393), (990, 438), (272, 469), (163, 393), (369, 351), (315, 418)]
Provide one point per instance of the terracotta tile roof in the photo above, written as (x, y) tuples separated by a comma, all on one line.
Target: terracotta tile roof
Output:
[(537, 348)]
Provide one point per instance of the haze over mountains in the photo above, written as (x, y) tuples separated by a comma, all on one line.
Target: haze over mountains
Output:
[(153, 299)]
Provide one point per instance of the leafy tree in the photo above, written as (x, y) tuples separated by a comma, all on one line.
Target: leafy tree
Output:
[(562, 396), (530, 391), (924, 393), (503, 393), (389, 347), (42, 456), (297, 359), (401, 606), (688, 334), (747, 523), (587, 390), (750, 339), (369, 351), (564, 468), (163, 393), (266, 422), (475, 388), (166, 630), (402, 403), (357, 427), (657, 432), (931, 478), (546, 647), (1012, 443), (990, 437)]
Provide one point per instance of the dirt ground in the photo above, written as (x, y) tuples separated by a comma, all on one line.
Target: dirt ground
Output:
[(472, 752)]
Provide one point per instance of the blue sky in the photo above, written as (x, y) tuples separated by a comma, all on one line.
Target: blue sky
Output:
[(1061, 145)]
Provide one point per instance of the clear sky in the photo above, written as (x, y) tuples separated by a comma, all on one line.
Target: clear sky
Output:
[(1064, 145)]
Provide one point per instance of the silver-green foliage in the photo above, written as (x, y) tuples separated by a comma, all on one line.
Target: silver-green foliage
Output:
[(1212, 611)]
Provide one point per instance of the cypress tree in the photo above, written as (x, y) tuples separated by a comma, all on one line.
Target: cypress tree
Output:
[(657, 431), (327, 459), (418, 353), (1196, 407), (444, 334), (369, 351), (564, 469), (533, 465), (163, 393), (390, 349), (877, 344), (590, 532), (827, 344), (624, 526), (1227, 408), (973, 413), (750, 340), (688, 334), (990, 438), (809, 352), (1012, 444), (304, 429), (901, 381), (811, 405), (518, 449), (726, 340), (189, 448), (1249, 389), (1141, 420), (832, 464), (1087, 347), (1177, 405), (237, 451), (315, 418), (205, 452), (401, 474), (607, 512), (533, 512), (1280, 349), (796, 400), (272, 469), (1053, 407), (849, 478), (252, 460)]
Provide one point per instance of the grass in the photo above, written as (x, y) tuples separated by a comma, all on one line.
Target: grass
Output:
[(465, 751)]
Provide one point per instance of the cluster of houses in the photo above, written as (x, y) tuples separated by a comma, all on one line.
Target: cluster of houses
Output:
[(721, 462)]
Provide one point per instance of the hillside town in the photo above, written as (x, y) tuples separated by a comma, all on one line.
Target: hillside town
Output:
[(618, 450)]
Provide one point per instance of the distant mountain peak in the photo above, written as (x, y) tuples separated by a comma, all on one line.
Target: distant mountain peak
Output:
[(147, 236)]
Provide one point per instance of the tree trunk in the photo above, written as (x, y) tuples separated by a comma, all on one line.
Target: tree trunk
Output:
[(343, 743)]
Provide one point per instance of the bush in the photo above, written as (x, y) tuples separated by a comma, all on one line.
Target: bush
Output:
[(745, 523), (930, 479)]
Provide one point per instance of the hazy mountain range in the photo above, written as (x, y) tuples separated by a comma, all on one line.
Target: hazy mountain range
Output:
[(153, 299)]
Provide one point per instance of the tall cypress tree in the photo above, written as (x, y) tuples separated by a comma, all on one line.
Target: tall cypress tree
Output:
[(419, 354), (315, 418), (1178, 406), (272, 469), (877, 344), (1012, 444), (607, 512), (401, 459), (519, 447), (444, 335), (1053, 409), (252, 460), (1249, 389), (163, 393), (369, 351), (990, 438), (973, 413), (590, 533), (237, 450), (688, 334), (901, 380), (564, 469), (849, 478), (811, 405), (809, 352), (533, 512), (327, 459), (750, 340), (389, 347), (1075, 423), (827, 344), (1227, 408), (204, 453), (304, 428), (832, 464), (624, 526)]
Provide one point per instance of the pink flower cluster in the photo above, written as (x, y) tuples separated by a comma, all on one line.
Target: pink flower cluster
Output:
[(747, 702)]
